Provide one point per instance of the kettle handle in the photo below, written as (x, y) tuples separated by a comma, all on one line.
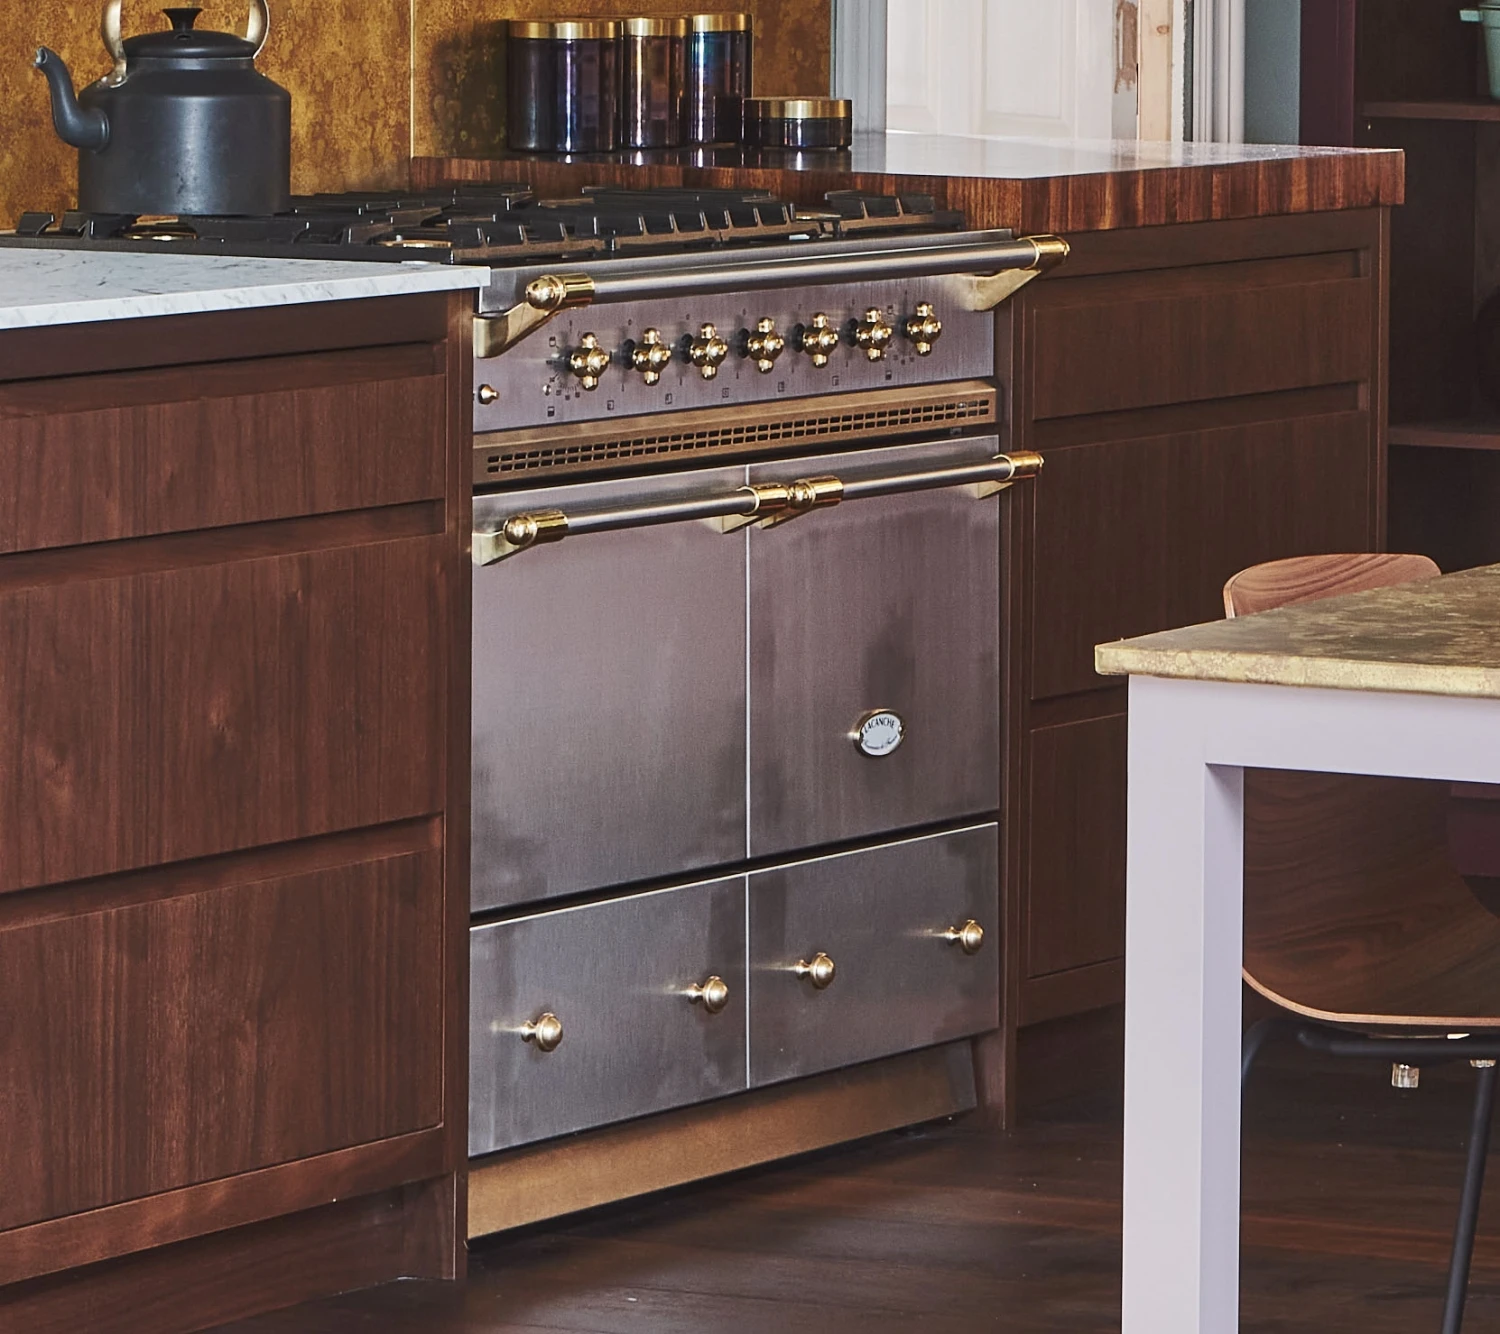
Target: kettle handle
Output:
[(257, 29)]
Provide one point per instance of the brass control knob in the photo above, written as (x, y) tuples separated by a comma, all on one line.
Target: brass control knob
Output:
[(589, 361), (764, 346), (486, 394), (546, 1031), (707, 351), (820, 339), (968, 936), (924, 328), (819, 972), (712, 993), (650, 356), (873, 334)]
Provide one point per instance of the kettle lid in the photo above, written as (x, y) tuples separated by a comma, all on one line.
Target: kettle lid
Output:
[(185, 42)]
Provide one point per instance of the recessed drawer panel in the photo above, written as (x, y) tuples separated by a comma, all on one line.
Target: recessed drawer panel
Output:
[(1213, 331), (588, 1015), (99, 458), (891, 923), (146, 1046), (185, 712)]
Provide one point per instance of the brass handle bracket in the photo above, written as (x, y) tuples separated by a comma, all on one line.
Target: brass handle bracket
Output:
[(519, 533), (772, 503), (985, 291), (1025, 464), (545, 297)]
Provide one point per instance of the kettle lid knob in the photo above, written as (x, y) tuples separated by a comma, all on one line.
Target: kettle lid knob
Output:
[(182, 17)]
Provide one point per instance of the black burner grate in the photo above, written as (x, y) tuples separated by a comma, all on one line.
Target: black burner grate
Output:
[(500, 223)]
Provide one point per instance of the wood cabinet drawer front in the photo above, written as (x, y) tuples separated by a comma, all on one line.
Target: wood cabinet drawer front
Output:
[(616, 975), (98, 458), (880, 915), (156, 1045), (1075, 892), (1179, 336), (1112, 560), (177, 713)]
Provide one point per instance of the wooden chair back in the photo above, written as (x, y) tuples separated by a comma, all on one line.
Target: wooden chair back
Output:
[(1283, 583), (1355, 912)]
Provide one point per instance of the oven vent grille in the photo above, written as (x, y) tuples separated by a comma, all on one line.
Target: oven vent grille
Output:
[(746, 430)]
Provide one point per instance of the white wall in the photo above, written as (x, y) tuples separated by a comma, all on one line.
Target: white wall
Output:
[(1273, 84)]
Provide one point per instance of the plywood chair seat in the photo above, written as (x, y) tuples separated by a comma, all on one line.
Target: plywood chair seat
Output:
[(1374, 927)]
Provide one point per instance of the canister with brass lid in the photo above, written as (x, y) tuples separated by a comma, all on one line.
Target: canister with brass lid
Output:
[(653, 81), (563, 92), (718, 77), (798, 122)]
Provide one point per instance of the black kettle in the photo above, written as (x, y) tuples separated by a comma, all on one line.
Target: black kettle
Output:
[(183, 124)]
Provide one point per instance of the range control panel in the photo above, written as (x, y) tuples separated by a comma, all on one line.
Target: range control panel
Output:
[(653, 356)]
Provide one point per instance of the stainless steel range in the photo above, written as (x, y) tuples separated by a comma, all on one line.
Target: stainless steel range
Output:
[(736, 757), (736, 660)]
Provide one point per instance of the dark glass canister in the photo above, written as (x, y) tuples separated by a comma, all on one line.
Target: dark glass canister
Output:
[(563, 86), (719, 50), (653, 77), (798, 122)]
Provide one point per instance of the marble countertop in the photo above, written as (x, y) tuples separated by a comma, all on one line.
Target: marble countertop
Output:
[(42, 287), (1435, 637)]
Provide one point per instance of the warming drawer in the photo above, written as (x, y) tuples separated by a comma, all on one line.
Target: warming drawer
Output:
[(866, 954), (583, 1016)]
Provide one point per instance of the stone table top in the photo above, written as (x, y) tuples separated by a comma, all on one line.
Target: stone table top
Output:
[(1435, 636)]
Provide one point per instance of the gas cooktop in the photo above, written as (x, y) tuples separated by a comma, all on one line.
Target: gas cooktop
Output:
[(498, 224)]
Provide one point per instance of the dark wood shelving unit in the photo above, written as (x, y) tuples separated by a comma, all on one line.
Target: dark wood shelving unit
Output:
[(1434, 110), (1410, 74), (1476, 434)]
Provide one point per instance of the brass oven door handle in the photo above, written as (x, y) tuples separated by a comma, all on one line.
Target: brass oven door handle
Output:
[(766, 503), (985, 273)]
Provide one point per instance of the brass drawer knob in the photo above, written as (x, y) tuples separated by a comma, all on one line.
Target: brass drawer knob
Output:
[(969, 936), (712, 993), (546, 1031), (819, 972)]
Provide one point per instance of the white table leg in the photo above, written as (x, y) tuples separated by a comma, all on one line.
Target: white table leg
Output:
[(1182, 1022)]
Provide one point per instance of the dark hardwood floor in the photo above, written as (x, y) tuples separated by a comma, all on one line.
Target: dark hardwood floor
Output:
[(1350, 1193)]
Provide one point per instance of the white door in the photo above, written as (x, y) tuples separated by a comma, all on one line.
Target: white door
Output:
[(1012, 67)]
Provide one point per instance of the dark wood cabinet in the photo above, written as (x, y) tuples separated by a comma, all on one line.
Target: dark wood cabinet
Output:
[(1205, 397), (233, 808)]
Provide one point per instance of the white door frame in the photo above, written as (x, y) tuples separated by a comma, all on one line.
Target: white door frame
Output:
[(1219, 71), (859, 50)]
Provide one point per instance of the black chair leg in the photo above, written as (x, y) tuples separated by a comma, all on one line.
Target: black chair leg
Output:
[(1255, 1038), (1468, 1209)]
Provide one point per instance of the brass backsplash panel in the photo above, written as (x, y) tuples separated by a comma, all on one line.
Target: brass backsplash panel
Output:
[(356, 72)]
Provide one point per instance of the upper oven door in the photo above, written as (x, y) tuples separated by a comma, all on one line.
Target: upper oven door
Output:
[(874, 655), (609, 698)]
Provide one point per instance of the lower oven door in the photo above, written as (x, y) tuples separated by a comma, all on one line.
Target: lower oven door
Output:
[(609, 697), (875, 655), (866, 954)]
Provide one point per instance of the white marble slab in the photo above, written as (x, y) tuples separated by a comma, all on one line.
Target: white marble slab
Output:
[(41, 287)]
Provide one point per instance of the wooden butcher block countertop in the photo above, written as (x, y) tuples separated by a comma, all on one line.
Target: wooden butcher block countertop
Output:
[(1033, 185)]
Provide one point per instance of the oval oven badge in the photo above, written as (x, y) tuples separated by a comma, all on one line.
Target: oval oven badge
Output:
[(879, 732)]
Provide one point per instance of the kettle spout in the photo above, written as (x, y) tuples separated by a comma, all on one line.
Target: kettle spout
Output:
[(83, 127)]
